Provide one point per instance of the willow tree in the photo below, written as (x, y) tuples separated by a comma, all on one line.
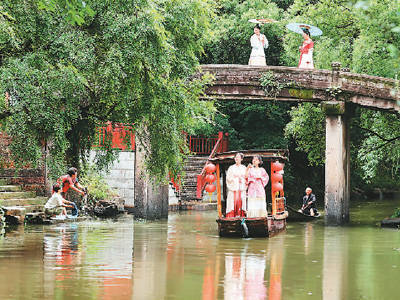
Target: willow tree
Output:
[(124, 61)]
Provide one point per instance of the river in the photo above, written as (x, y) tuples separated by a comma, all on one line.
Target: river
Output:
[(183, 258)]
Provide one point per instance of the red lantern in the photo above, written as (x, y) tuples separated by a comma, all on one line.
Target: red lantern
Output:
[(210, 188), (210, 178), (276, 166), (277, 187), (210, 168), (277, 176)]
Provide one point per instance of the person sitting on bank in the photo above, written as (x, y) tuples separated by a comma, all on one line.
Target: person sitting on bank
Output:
[(309, 202), (56, 205), (70, 180)]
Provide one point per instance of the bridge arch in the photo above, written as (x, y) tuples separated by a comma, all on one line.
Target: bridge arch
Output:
[(335, 89)]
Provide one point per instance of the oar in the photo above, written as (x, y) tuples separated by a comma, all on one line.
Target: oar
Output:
[(245, 229)]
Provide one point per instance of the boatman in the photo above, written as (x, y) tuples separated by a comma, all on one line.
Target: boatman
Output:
[(309, 202)]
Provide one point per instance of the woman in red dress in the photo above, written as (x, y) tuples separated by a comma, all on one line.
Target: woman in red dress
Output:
[(306, 51)]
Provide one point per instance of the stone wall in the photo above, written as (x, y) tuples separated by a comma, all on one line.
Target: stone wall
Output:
[(31, 179), (121, 176)]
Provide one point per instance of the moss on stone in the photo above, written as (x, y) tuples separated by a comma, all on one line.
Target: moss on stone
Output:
[(333, 108), (301, 94)]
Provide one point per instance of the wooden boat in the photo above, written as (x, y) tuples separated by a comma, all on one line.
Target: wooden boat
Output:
[(297, 216), (275, 222), (251, 227), (391, 222)]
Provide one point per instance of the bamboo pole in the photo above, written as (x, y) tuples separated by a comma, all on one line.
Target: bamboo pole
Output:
[(219, 192)]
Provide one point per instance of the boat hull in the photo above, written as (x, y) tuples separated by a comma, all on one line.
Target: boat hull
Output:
[(296, 216), (257, 227), (391, 223)]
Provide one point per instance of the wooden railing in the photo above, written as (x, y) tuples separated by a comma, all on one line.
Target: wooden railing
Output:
[(118, 135), (218, 147), (201, 145)]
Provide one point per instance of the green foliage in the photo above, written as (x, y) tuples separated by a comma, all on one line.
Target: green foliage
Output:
[(129, 62), (339, 28), (98, 189), (270, 85), (230, 43), (372, 49), (396, 213), (379, 153), (307, 127), (75, 10), (360, 37)]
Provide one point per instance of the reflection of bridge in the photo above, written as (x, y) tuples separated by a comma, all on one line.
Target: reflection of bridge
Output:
[(336, 90)]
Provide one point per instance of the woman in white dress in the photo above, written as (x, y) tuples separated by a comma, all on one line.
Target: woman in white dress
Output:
[(258, 43), (236, 184)]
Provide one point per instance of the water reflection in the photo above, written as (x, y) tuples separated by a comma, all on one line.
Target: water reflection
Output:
[(183, 258), (75, 257), (335, 263)]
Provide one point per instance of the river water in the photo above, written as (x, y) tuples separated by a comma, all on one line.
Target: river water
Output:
[(183, 258)]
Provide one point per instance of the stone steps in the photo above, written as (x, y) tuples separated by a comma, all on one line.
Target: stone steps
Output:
[(10, 188), (17, 203), (16, 195), (24, 201), (192, 168)]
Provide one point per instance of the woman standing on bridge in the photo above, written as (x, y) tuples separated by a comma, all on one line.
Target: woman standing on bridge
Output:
[(258, 43), (236, 184), (306, 51)]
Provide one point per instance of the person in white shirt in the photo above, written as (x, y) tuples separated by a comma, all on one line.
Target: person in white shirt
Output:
[(56, 204), (258, 43)]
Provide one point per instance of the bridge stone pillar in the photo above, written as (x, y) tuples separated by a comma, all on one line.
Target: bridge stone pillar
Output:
[(151, 199), (337, 164)]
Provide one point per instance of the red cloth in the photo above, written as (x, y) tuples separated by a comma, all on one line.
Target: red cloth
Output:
[(66, 182), (307, 46), (238, 211)]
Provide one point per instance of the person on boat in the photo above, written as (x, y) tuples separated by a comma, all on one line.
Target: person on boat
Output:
[(309, 202), (70, 181), (236, 184), (306, 51), (56, 205), (257, 179), (258, 43)]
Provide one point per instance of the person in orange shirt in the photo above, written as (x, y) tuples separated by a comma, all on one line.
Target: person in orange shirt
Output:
[(70, 181)]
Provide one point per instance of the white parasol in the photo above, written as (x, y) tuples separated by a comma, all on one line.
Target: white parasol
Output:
[(298, 28)]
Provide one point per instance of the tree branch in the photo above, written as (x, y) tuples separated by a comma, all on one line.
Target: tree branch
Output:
[(375, 134), (387, 142), (5, 114)]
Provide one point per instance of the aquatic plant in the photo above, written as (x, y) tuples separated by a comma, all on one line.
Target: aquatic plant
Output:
[(396, 213), (97, 186)]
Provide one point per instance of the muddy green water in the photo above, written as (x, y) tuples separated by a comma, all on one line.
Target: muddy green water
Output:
[(183, 258)]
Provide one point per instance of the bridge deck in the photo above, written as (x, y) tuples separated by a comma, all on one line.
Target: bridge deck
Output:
[(242, 82)]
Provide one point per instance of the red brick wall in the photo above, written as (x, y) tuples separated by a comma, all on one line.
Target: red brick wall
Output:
[(32, 179)]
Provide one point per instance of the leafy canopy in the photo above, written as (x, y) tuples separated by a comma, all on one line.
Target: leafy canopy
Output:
[(127, 62)]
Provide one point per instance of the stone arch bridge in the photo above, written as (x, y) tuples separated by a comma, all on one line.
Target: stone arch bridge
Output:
[(337, 90)]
